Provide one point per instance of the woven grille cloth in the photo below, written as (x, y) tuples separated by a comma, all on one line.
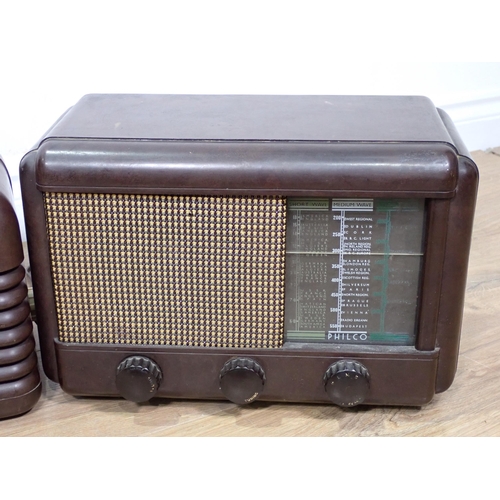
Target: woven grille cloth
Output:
[(168, 270)]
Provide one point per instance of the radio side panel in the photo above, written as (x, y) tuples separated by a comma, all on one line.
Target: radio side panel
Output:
[(38, 247), (454, 271)]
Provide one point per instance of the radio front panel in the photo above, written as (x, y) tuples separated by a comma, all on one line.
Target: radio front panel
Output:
[(209, 271), (279, 265)]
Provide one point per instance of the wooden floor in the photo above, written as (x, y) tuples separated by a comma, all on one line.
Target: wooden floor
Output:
[(471, 407)]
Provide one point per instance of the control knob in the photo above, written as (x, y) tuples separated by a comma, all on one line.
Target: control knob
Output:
[(242, 380), (347, 382), (138, 378)]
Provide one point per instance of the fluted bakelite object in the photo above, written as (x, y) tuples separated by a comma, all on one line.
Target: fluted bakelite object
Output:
[(20, 386)]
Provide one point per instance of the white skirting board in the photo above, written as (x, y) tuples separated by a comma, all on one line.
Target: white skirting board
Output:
[(477, 122)]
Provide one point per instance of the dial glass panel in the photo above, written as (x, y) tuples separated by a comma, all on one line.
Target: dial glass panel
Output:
[(353, 270)]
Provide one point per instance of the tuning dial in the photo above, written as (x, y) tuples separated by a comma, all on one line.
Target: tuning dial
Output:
[(242, 380), (347, 382), (138, 378)]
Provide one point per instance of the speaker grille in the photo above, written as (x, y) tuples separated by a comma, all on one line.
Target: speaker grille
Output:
[(168, 270)]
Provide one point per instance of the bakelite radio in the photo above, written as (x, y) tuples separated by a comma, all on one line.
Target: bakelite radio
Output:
[(20, 386), (280, 248)]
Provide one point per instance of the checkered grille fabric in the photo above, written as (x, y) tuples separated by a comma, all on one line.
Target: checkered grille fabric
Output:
[(168, 270)]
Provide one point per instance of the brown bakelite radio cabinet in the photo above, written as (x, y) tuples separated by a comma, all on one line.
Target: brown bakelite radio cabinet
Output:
[(274, 248)]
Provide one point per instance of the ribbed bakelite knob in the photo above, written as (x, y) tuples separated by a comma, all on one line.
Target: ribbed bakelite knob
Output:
[(347, 382), (138, 378), (242, 380)]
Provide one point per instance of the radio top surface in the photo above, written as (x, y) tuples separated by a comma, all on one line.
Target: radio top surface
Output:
[(287, 145), (253, 117)]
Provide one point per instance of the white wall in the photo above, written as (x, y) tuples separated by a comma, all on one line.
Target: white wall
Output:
[(54, 52)]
